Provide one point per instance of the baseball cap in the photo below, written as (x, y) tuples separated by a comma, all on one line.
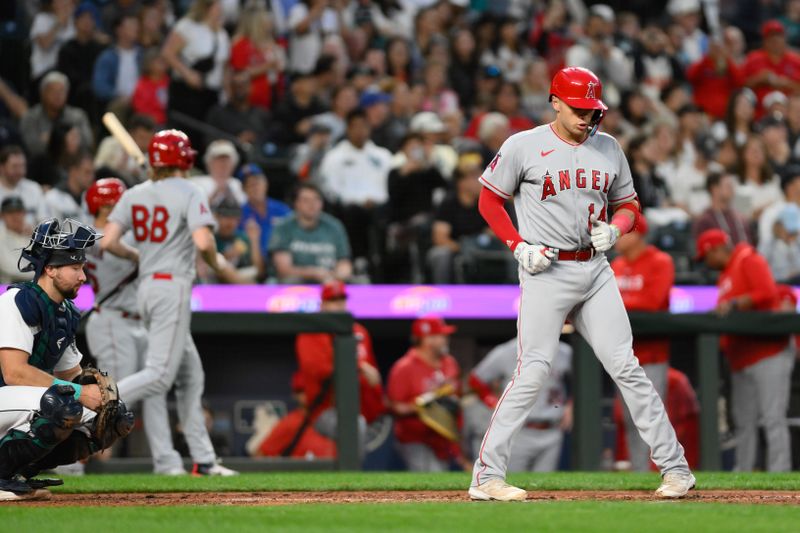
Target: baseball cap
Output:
[(333, 290), (431, 325), (221, 148), (228, 208), (602, 11), (680, 7), (12, 204), (774, 97), (370, 97), (427, 122), (491, 71), (87, 7), (710, 238), (772, 27), (250, 169)]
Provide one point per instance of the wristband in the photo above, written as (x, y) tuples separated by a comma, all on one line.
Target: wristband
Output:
[(75, 386)]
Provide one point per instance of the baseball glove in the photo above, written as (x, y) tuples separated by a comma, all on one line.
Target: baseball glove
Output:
[(439, 411), (113, 419)]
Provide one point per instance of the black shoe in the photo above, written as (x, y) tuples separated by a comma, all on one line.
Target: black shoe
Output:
[(43, 483), (16, 486)]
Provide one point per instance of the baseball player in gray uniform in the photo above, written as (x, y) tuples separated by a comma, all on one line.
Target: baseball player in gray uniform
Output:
[(563, 178), (537, 447), (114, 330), (170, 220)]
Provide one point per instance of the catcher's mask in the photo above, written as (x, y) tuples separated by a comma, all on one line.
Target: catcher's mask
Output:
[(57, 244)]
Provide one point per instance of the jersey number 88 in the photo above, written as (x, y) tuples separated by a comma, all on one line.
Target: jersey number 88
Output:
[(146, 227)]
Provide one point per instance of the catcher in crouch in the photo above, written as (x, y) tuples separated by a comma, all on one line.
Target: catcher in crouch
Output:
[(51, 411)]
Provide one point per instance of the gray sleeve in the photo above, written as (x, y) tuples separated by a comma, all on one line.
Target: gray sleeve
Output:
[(121, 214), (502, 174), (198, 212), (498, 365), (622, 189)]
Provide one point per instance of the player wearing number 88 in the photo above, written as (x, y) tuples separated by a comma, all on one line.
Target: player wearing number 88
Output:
[(171, 221), (564, 177)]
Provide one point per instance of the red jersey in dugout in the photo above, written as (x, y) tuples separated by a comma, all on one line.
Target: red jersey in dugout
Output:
[(411, 376), (310, 443), (315, 362), (748, 273), (644, 284)]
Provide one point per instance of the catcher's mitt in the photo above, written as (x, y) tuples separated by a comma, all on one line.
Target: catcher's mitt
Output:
[(439, 411), (113, 419)]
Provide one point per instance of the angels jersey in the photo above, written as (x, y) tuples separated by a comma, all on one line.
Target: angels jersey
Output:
[(558, 185)]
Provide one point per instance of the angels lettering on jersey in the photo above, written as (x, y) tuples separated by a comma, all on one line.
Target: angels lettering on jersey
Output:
[(558, 186)]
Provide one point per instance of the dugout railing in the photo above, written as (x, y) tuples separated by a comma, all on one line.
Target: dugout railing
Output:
[(705, 329)]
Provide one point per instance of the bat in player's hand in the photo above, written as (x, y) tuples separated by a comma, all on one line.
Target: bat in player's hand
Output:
[(119, 132)]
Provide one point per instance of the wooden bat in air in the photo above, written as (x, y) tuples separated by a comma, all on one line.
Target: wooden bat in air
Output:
[(119, 132)]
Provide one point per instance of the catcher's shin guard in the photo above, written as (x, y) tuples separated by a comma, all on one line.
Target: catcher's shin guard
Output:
[(77, 447), (59, 412)]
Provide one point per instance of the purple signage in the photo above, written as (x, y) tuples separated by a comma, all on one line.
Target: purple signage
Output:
[(394, 301)]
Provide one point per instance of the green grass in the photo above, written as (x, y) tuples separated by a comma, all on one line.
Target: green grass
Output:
[(562, 517), (311, 481)]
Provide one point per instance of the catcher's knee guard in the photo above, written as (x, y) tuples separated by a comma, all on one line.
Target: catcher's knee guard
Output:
[(59, 412)]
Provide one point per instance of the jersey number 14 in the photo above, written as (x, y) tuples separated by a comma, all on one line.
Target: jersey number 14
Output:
[(150, 228)]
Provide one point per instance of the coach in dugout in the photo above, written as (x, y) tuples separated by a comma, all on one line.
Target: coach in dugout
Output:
[(427, 374), (761, 367)]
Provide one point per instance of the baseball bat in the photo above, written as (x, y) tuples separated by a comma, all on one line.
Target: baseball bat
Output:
[(119, 132)]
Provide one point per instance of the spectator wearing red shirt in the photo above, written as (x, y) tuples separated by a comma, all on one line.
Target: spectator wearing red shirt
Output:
[(150, 95), (425, 368), (714, 78), (256, 56), (761, 367), (772, 67), (645, 276), (508, 102), (315, 362)]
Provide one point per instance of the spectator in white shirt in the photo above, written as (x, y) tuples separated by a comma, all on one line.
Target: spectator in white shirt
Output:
[(13, 168), (65, 200), (355, 175), (221, 160), (51, 28), (14, 235)]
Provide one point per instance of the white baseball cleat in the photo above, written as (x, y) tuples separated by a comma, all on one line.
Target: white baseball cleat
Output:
[(676, 485), (497, 489), (212, 469), (38, 494), (177, 471)]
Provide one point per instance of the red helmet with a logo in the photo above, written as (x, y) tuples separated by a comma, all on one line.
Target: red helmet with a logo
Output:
[(104, 192), (580, 88), (171, 148)]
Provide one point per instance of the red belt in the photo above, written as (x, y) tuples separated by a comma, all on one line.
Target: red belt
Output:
[(540, 425), (584, 254), (162, 275)]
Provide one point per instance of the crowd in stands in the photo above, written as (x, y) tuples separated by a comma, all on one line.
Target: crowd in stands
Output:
[(344, 138)]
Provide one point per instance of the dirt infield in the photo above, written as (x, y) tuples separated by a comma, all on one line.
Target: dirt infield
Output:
[(289, 498)]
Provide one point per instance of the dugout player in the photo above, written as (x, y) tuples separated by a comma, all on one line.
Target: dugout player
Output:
[(564, 178), (645, 276), (761, 367), (45, 419), (114, 330), (315, 363), (170, 220), (537, 446), (426, 369)]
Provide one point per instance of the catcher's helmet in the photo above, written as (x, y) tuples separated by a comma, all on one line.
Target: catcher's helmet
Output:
[(57, 245), (580, 88), (171, 148), (104, 192)]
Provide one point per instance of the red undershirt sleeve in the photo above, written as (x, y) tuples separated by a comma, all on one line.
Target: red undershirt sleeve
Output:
[(491, 207)]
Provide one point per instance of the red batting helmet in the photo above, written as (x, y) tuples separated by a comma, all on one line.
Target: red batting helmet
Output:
[(171, 148), (580, 88), (106, 191)]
